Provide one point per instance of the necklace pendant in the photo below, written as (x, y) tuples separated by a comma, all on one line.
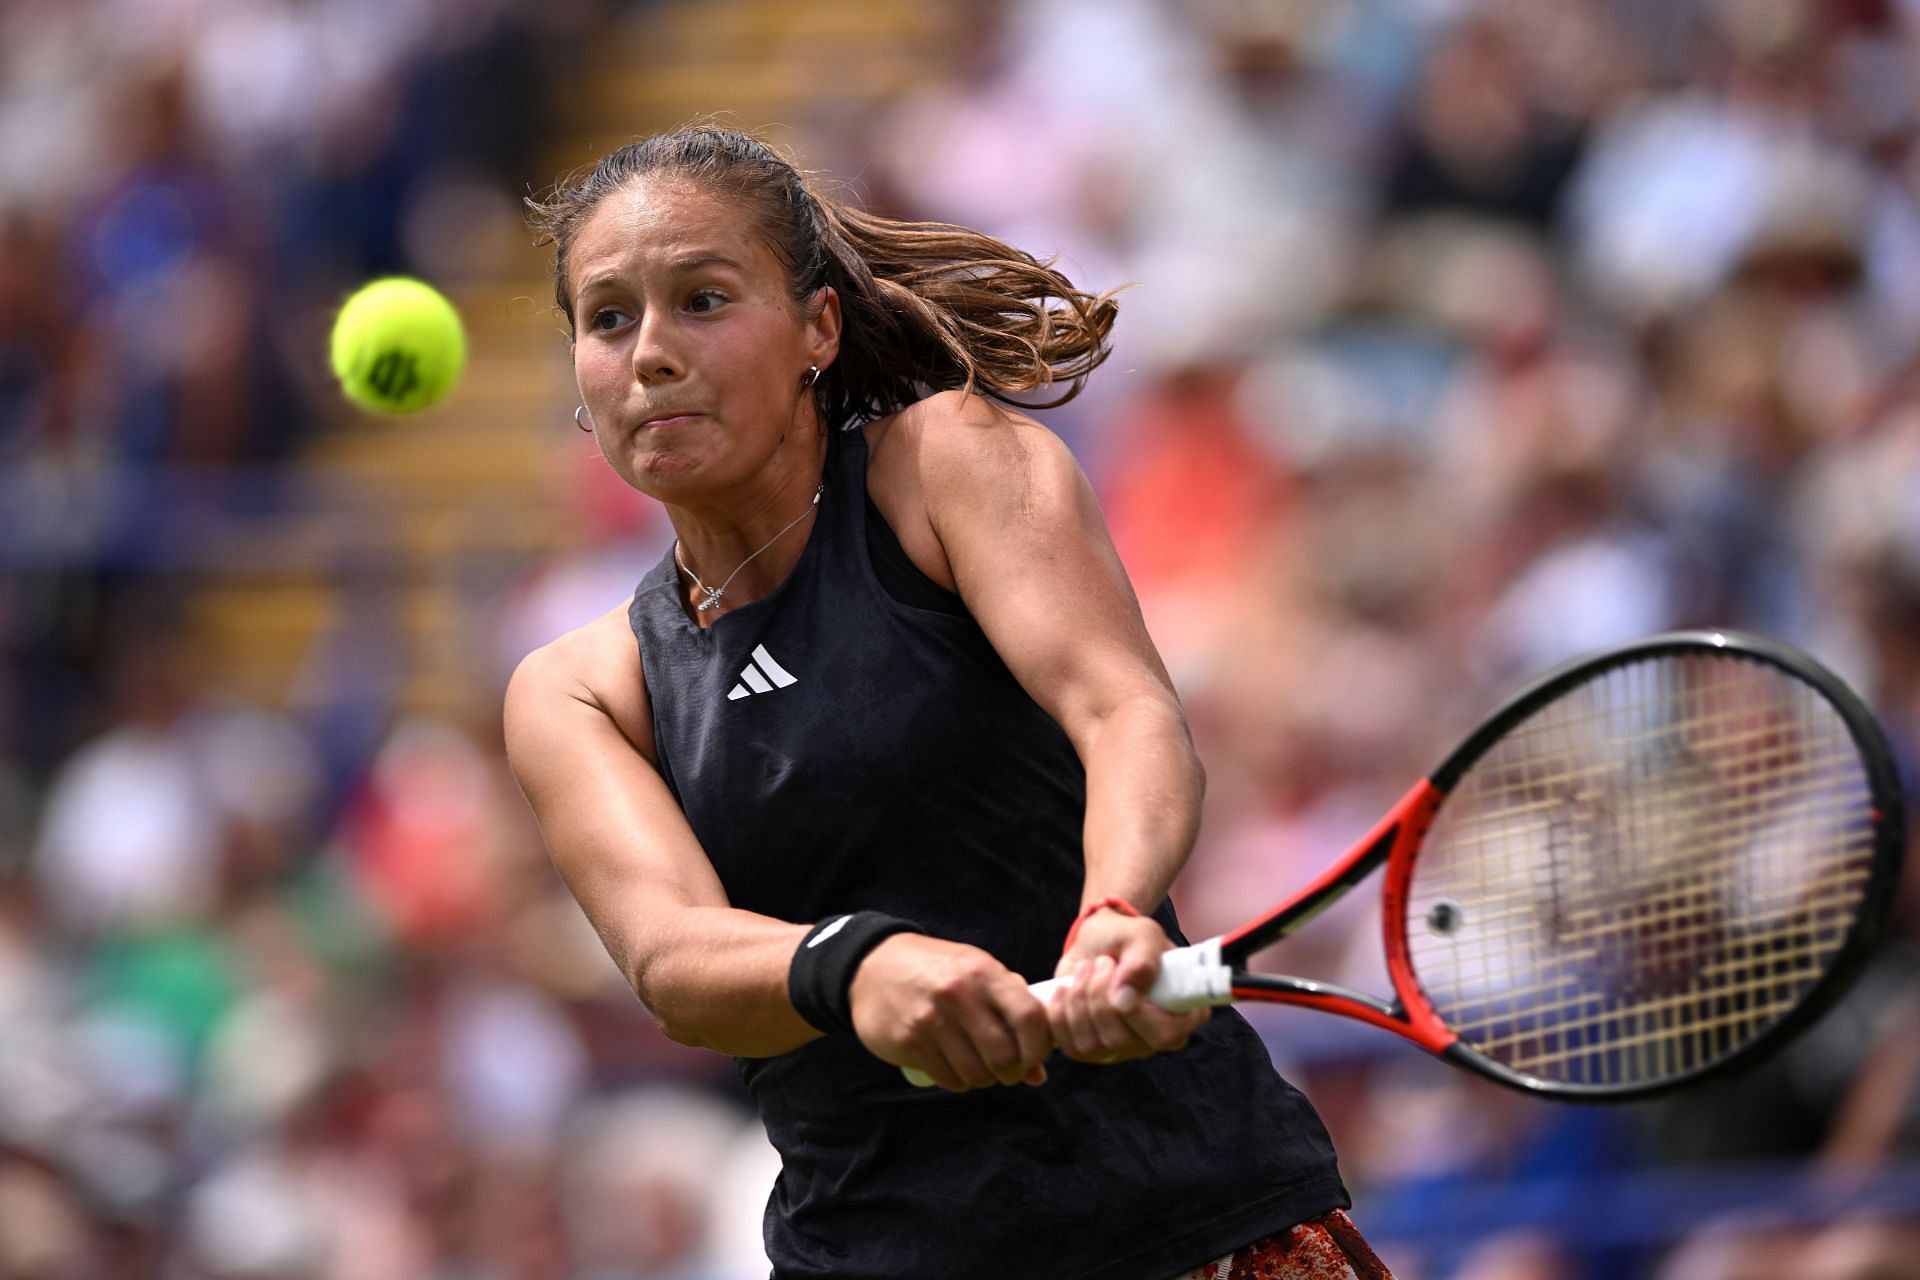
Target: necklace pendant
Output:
[(712, 601)]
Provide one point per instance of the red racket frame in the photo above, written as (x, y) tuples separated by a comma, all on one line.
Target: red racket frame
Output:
[(1395, 842)]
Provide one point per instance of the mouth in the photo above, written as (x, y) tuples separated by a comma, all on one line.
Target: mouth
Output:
[(664, 420)]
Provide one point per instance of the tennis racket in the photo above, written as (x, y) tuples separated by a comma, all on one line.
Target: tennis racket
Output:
[(1652, 866)]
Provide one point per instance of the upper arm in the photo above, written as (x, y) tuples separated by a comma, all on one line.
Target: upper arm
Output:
[(1028, 552), (613, 829)]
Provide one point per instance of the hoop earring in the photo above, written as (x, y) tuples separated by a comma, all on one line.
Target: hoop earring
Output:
[(812, 375), (586, 426)]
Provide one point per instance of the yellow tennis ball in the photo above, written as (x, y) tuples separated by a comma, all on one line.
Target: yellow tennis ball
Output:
[(398, 346)]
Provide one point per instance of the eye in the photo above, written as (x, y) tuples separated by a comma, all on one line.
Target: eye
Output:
[(605, 318), (705, 300)]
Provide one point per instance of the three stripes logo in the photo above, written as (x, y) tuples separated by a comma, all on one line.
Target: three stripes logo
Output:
[(761, 675)]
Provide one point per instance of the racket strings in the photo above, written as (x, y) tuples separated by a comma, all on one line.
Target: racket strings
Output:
[(1646, 874), (1704, 866), (1664, 895)]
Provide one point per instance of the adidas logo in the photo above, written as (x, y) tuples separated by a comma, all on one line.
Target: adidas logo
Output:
[(762, 675)]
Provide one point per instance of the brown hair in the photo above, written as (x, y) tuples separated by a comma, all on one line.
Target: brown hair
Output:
[(926, 306)]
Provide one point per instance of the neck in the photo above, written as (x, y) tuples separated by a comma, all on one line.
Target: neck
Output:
[(746, 546)]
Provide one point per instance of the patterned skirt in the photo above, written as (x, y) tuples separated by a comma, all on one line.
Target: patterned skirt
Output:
[(1328, 1247)]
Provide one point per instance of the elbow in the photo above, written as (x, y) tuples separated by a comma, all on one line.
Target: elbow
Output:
[(668, 1014), (1196, 771), (680, 1032), (1196, 790), (673, 1024), (640, 980)]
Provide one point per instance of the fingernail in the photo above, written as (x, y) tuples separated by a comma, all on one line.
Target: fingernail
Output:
[(1125, 999)]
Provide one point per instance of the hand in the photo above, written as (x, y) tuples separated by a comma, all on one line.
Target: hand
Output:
[(950, 1010), (1105, 1016)]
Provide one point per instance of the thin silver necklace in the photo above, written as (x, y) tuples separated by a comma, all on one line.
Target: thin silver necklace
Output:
[(714, 593)]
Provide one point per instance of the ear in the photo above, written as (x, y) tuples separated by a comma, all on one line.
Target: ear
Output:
[(823, 327)]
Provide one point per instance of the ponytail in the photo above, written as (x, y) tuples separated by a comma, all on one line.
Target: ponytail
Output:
[(928, 307)]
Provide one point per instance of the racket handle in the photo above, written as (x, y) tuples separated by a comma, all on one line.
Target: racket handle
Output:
[(1189, 978)]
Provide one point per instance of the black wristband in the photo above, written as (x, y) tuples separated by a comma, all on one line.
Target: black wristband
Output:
[(820, 979)]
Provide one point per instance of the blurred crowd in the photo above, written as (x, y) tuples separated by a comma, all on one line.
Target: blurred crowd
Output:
[(187, 189), (1464, 336)]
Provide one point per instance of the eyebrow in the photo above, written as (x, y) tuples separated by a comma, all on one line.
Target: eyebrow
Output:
[(679, 266), (684, 265)]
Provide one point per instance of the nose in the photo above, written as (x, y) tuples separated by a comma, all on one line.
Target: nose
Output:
[(655, 357)]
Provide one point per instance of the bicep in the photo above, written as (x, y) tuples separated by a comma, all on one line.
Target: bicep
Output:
[(1033, 561), (611, 826)]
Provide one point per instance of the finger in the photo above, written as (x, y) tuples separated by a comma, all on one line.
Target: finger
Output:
[(934, 1065), (1163, 1031), (1116, 1036), (1060, 1009), (968, 1065), (1072, 1019), (1026, 1020), (1105, 1037), (1054, 1002), (998, 1043), (1134, 972)]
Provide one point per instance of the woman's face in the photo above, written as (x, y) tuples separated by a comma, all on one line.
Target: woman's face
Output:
[(690, 353)]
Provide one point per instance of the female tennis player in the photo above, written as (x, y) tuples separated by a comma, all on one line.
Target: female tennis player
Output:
[(893, 742)]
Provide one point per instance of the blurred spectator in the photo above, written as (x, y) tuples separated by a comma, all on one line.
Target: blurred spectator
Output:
[(1475, 141), (130, 836)]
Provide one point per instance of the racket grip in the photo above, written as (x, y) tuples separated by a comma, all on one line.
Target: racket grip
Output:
[(1189, 978)]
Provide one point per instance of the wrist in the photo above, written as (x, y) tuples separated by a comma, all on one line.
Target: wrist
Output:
[(1120, 905), (820, 975)]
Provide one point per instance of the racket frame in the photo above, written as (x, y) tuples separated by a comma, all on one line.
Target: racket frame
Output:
[(1395, 843)]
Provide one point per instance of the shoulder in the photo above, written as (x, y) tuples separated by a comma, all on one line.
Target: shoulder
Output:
[(957, 474), (951, 430), (596, 666), (953, 460), (953, 448)]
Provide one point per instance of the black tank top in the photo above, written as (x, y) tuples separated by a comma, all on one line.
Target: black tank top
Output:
[(840, 746)]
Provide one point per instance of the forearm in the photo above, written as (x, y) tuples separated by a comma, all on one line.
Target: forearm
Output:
[(716, 978), (1144, 786)]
